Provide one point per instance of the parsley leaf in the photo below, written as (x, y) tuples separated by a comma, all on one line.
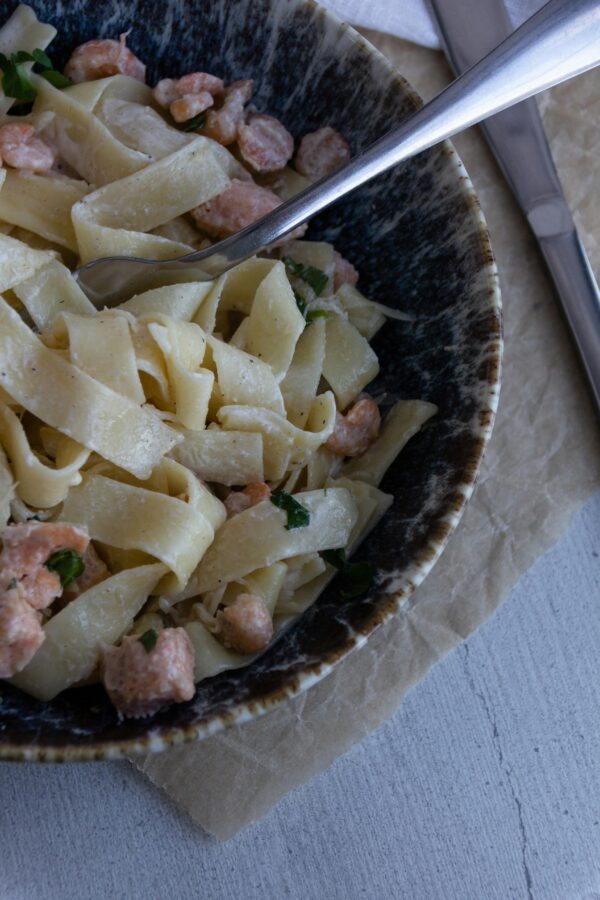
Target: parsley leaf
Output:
[(67, 564), (42, 58), (297, 515), (11, 584), (313, 314), (21, 56), (335, 558), (148, 639), (196, 123), (316, 278), (16, 82), (300, 301), (357, 578), (56, 79)]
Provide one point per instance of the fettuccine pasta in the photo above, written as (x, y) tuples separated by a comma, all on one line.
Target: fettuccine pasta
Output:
[(182, 475)]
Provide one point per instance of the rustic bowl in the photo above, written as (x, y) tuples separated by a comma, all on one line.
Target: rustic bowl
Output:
[(419, 240)]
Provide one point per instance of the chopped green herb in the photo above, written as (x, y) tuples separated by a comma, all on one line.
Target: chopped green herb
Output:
[(357, 578), (148, 639), (300, 301), (335, 558), (316, 278), (297, 515), (11, 584), (196, 123), (56, 79), (313, 314), (67, 564), (16, 82), (21, 56), (42, 59)]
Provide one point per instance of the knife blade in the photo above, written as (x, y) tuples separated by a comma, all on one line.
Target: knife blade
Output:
[(468, 30)]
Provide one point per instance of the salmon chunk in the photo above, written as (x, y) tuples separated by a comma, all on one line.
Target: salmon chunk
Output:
[(149, 671), (246, 625), (27, 548), (20, 629)]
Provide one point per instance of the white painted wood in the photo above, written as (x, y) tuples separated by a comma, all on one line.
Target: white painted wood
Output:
[(484, 786)]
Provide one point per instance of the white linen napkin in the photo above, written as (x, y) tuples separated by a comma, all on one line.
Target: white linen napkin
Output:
[(410, 19)]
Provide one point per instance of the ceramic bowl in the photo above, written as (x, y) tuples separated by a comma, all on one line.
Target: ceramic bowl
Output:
[(419, 240)]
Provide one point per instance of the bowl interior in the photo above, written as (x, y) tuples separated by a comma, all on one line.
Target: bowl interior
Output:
[(419, 242)]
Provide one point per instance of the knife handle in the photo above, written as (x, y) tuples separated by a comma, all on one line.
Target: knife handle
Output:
[(558, 42), (580, 298), (518, 141)]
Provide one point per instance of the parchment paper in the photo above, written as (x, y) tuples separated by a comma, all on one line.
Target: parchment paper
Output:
[(543, 462)]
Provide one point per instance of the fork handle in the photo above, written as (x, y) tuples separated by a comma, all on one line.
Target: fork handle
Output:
[(558, 42)]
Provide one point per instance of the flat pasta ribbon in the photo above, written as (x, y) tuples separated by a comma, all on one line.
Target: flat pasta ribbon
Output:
[(112, 221), (40, 484), (71, 401), (257, 537), (171, 529), (73, 637)]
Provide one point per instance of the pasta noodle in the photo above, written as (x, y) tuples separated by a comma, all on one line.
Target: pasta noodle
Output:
[(243, 378), (275, 322), (350, 363), (110, 222), (71, 650), (258, 537), (102, 347), (133, 518), (83, 141), (178, 301), (189, 457), (42, 205), (40, 483), (76, 404), (18, 262), (299, 387), (210, 656), (120, 87), (49, 292), (284, 445), (227, 457)]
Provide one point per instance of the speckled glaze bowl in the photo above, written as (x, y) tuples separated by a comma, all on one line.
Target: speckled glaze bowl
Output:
[(419, 240)]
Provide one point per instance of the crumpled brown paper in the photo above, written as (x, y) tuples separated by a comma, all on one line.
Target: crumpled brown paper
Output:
[(543, 462)]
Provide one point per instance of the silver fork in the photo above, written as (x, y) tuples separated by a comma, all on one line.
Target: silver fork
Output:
[(560, 41)]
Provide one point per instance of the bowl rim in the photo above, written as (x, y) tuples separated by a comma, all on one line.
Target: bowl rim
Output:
[(160, 739)]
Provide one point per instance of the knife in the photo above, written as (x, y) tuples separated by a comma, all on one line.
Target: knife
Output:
[(468, 30)]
